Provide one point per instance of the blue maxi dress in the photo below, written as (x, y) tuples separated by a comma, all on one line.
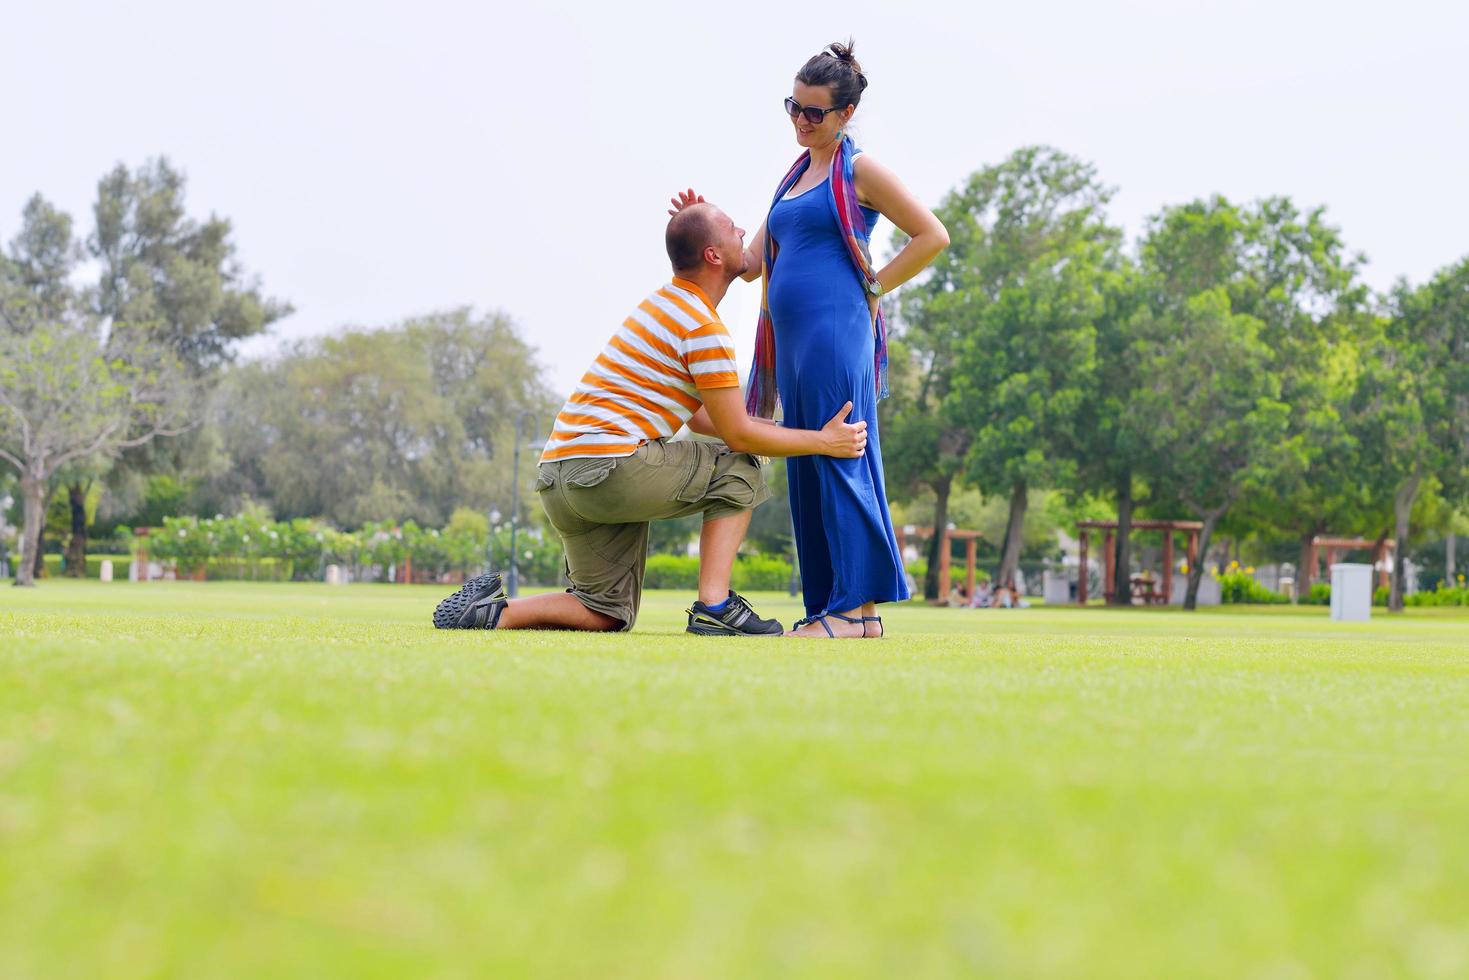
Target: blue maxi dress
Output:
[(824, 349)]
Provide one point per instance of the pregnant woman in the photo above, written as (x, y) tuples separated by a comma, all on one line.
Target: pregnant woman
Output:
[(821, 341)]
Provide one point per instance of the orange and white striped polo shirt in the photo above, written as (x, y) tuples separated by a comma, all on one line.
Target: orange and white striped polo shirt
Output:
[(645, 383)]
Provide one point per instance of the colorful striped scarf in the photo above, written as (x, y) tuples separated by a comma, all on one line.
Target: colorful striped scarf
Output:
[(842, 193)]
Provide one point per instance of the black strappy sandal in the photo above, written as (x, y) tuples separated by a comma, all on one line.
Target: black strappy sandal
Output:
[(821, 618), (881, 630)]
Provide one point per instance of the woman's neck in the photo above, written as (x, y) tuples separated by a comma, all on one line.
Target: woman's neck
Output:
[(821, 156)]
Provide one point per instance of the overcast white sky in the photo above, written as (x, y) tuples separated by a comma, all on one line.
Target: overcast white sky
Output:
[(380, 160)]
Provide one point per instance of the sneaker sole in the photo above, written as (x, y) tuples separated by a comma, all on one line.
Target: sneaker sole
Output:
[(448, 613), (701, 629)]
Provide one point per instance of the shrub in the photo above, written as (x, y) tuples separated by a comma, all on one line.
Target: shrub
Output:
[(1239, 587), (94, 565), (1444, 595), (760, 573), (1380, 595), (1320, 595), (672, 572)]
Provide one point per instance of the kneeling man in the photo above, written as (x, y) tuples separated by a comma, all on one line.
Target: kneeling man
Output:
[(609, 469)]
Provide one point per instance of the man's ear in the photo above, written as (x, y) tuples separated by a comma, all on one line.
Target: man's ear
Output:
[(712, 256)]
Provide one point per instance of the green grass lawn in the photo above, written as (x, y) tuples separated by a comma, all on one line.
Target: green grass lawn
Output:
[(224, 780)]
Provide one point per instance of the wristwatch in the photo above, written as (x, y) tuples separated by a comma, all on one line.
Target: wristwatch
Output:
[(874, 287)]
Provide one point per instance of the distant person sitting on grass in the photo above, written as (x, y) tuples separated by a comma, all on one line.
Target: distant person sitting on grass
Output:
[(982, 596), (608, 468)]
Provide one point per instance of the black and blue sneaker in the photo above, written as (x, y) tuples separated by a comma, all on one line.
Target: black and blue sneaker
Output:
[(476, 606), (733, 617)]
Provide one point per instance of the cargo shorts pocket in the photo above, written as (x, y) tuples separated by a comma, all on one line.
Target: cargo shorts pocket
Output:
[(738, 480), (587, 472), (701, 471)]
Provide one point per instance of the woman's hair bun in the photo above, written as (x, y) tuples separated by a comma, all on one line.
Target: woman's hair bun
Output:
[(844, 53), (835, 66)]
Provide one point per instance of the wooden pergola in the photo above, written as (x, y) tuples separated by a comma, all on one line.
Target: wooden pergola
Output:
[(1335, 546), (971, 545), (1109, 553)]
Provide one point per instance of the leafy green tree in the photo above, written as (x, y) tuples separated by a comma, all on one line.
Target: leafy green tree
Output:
[(164, 282), (66, 397), (164, 274), (925, 437), (1415, 396), (36, 269), (1291, 273), (1003, 335), (169, 279), (1294, 273), (408, 422), (1113, 447), (1217, 421)]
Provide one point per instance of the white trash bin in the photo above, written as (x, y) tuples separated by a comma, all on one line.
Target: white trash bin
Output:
[(105, 571), (1056, 588), (1351, 593)]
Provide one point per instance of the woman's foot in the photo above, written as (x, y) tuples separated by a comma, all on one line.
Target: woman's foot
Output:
[(872, 627), (832, 626)]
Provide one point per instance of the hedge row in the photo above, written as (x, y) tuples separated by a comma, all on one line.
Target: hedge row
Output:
[(751, 573)]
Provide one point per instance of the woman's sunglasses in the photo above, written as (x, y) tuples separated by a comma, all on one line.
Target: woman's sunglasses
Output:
[(815, 115)]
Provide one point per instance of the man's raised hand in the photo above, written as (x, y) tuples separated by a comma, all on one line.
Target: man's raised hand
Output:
[(683, 200), (844, 440)]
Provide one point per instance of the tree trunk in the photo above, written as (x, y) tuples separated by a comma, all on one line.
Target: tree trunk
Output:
[(38, 554), (1014, 538), (940, 523), (1122, 587), (1305, 566), (76, 548), (1196, 570), (33, 495), (1402, 509), (1448, 560)]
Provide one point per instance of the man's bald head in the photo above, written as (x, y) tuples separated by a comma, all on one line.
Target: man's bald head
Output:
[(692, 230)]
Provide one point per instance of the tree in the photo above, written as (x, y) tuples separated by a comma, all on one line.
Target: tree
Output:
[(1043, 250), (1004, 333), (924, 438), (67, 397), (1217, 422), (164, 279), (166, 275), (1290, 272), (407, 422), (1293, 272), (1415, 394), (36, 269), (1113, 446)]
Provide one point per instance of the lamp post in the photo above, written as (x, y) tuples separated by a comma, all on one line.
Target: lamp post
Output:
[(513, 586), (490, 540)]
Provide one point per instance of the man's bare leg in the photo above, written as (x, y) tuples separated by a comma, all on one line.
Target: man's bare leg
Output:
[(554, 611), (719, 543)]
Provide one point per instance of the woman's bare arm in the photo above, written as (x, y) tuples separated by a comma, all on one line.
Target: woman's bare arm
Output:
[(881, 189)]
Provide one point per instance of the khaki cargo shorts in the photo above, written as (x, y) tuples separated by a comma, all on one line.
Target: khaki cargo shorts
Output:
[(601, 508)]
